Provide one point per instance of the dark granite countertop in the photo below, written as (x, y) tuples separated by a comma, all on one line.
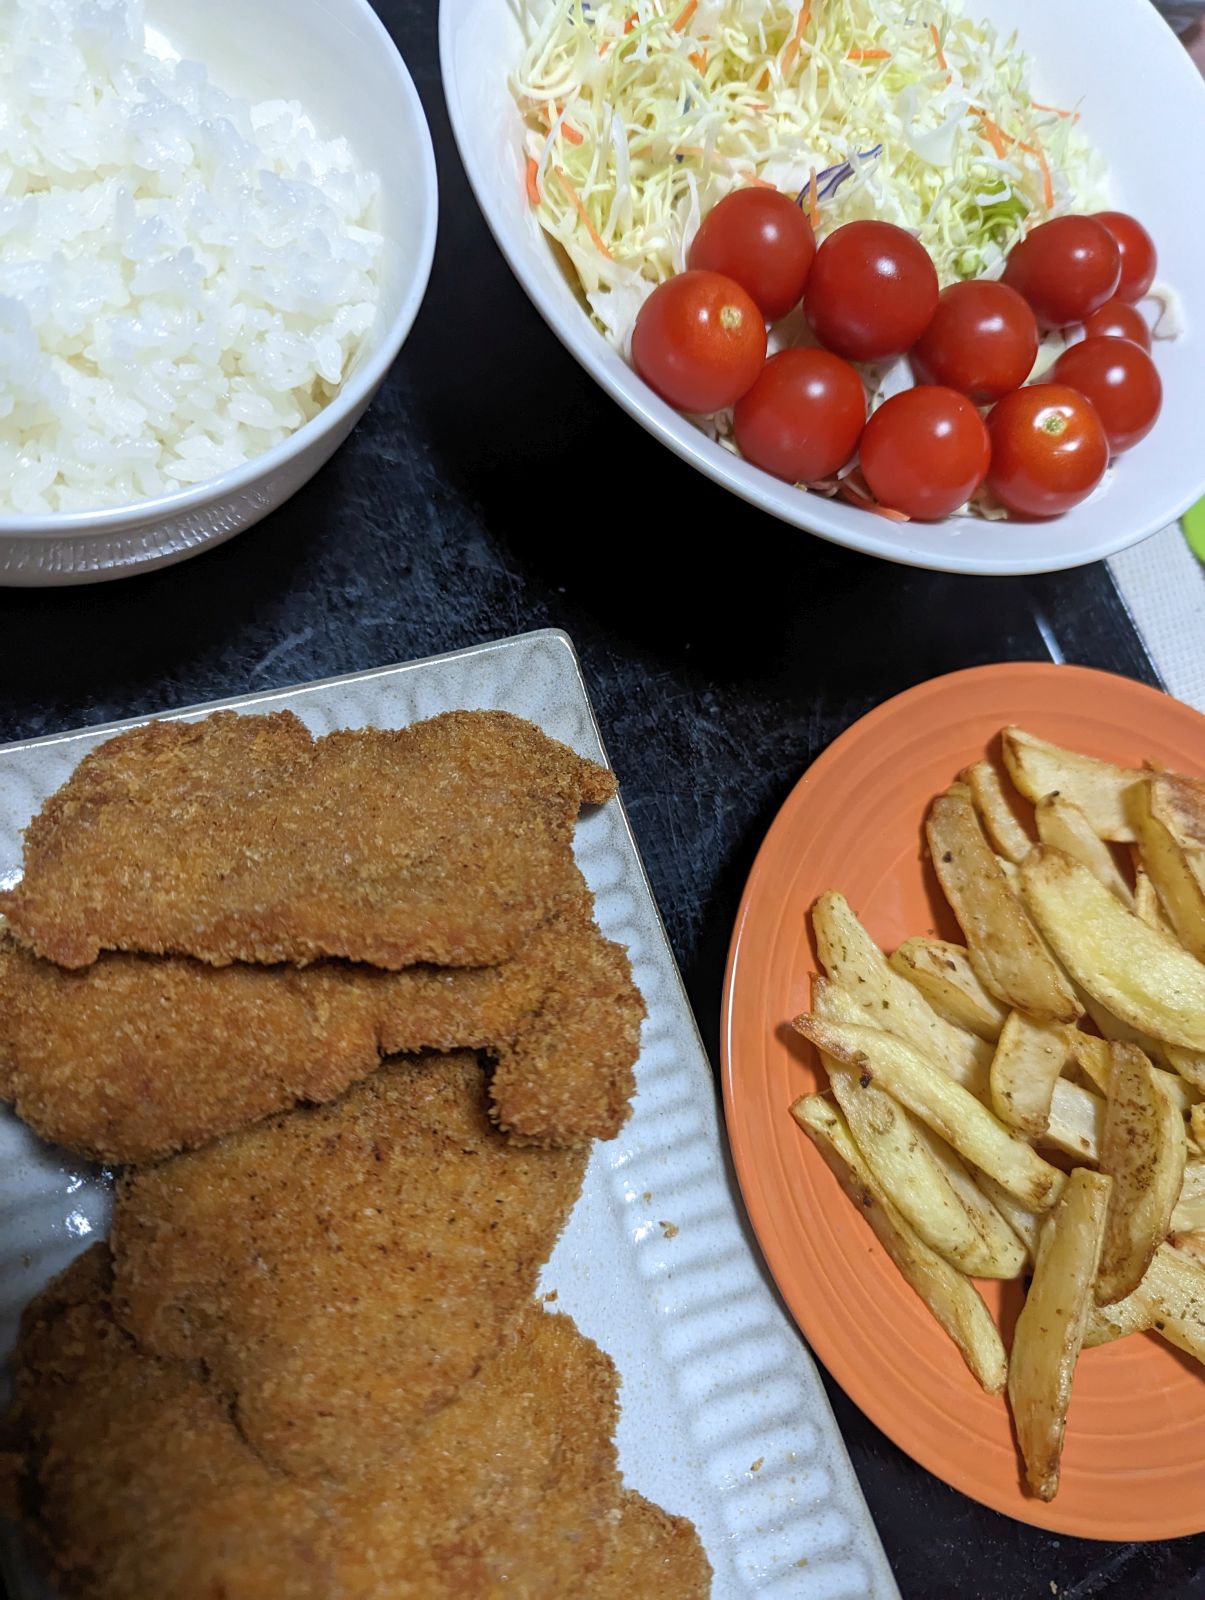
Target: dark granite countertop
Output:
[(722, 650)]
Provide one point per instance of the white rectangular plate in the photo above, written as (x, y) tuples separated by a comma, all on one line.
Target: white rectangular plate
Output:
[(723, 1416)]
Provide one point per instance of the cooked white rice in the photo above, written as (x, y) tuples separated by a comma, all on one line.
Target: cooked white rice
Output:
[(184, 277)]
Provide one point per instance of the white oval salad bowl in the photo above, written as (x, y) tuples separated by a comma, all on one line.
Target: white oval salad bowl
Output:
[(336, 58), (1143, 107)]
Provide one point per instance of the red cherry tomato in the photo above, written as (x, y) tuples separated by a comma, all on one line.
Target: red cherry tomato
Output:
[(1065, 269), (762, 241), (982, 341), (1120, 380), (802, 418), (871, 291), (925, 451), (1117, 320), (1049, 449), (699, 341), (1138, 259)]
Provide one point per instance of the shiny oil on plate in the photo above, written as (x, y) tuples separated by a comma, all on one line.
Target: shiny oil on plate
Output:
[(1132, 1462), (723, 1417)]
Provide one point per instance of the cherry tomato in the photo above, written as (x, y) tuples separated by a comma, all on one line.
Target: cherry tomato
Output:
[(1120, 380), (1117, 320), (699, 341), (1066, 269), (925, 451), (1049, 449), (802, 418), (871, 291), (1138, 259), (982, 341), (761, 240)]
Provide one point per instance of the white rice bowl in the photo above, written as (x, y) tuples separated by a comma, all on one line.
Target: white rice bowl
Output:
[(185, 277)]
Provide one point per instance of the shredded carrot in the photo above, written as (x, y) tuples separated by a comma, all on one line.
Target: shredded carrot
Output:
[(578, 206), (1058, 110), (869, 55), (791, 54), (813, 200), (941, 55), (550, 115), (573, 136), (684, 16), (699, 61), (757, 182), (847, 492), (630, 23), (996, 136), (533, 185)]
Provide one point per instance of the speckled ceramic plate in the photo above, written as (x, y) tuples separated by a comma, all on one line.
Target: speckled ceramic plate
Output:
[(723, 1417)]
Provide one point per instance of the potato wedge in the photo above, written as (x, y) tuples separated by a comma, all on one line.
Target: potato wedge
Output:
[(1186, 1066), (951, 1298), (1144, 977), (1168, 865), (1005, 948), (944, 975), (1179, 803), (1098, 788), (941, 1104), (1050, 1329), (899, 1152), (1077, 1122), (1093, 1057), (1008, 838), (1188, 1216), (852, 960), (1196, 1124), (1026, 1224), (1146, 898), (926, 1176), (1063, 826), (1029, 1058), (1143, 1151), (1170, 1300)]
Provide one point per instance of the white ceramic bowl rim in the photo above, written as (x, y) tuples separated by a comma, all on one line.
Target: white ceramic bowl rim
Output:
[(352, 394)]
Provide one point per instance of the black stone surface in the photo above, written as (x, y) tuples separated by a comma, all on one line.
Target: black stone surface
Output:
[(491, 489)]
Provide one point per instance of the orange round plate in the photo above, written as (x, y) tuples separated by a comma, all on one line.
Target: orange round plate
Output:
[(1134, 1456)]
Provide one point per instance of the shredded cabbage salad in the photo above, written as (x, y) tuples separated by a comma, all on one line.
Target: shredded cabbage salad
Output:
[(641, 114)]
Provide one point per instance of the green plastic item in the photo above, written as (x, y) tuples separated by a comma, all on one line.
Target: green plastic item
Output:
[(1193, 522)]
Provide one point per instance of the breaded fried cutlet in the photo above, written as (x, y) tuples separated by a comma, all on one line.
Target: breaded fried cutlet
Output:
[(136, 1057), (651, 1556), (136, 1485), (343, 1271), (241, 838)]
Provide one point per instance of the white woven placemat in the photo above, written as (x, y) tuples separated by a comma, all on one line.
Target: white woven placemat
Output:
[(1164, 586)]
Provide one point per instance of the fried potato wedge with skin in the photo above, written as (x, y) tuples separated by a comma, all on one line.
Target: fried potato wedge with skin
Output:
[(1029, 1059), (950, 1296), (1077, 1122), (1098, 788), (1094, 1059), (1179, 803), (1146, 899), (1026, 1224), (1170, 1300), (944, 975), (1008, 838), (891, 1144), (941, 1104), (1196, 1124), (1050, 1329), (1141, 975), (1191, 1245), (1063, 826), (1188, 1215), (1005, 948), (926, 1175), (1187, 1067), (1169, 867), (1143, 1151), (852, 960)]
